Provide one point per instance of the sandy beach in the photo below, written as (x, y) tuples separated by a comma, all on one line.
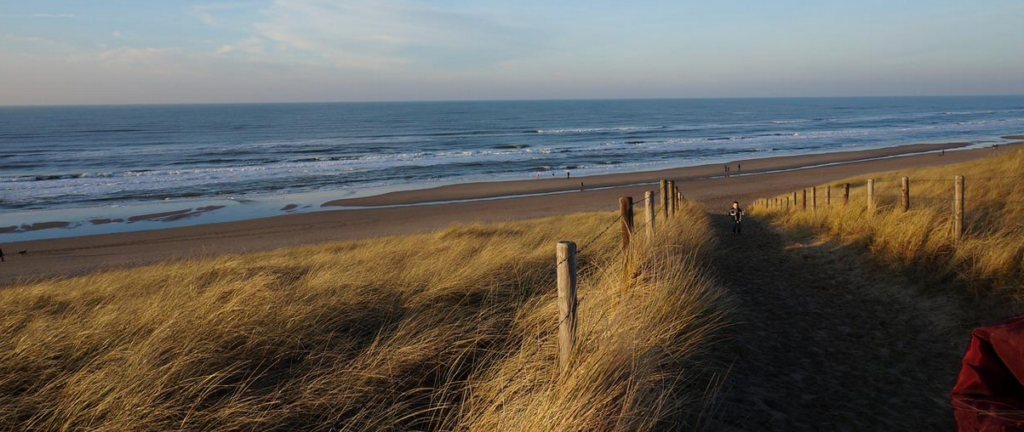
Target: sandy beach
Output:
[(406, 212)]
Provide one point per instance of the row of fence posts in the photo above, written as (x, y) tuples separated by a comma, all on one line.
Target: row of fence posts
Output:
[(958, 200), (565, 257)]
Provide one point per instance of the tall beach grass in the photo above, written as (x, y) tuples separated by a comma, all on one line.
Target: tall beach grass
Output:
[(453, 330), (989, 258)]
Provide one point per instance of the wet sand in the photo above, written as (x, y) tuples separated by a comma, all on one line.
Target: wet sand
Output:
[(35, 227), (78, 255)]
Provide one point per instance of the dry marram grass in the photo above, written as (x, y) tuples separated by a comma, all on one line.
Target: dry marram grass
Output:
[(453, 330), (989, 257)]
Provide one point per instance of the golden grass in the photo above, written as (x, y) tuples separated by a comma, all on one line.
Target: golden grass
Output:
[(454, 330), (990, 257)]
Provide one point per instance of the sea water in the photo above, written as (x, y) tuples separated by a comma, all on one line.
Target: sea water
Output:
[(103, 163)]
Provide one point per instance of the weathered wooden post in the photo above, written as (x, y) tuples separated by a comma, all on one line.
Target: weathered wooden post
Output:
[(626, 214), (567, 304), (672, 198), (649, 210), (814, 198), (664, 199), (804, 202), (846, 194), (958, 208), (794, 199), (676, 198), (828, 195), (870, 195), (905, 187)]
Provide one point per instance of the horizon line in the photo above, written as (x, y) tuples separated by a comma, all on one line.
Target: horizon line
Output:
[(426, 101)]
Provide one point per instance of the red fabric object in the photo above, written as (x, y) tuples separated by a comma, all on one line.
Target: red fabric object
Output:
[(989, 394)]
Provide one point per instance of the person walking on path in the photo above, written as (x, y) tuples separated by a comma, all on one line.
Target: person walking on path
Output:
[(736, 213)]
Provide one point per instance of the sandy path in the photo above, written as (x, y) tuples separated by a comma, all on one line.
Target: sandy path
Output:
[(825, 344)]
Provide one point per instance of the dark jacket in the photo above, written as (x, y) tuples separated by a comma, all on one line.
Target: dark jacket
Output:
[(736, 214)]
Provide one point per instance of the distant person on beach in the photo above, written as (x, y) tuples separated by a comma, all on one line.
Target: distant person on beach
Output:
[(736, 213), (739, 167), (567, 175)]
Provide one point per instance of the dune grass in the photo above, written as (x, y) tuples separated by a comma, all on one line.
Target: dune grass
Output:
[(989, 259), (454, 330)]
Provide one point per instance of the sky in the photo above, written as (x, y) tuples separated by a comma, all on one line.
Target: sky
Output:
[(176, 51)]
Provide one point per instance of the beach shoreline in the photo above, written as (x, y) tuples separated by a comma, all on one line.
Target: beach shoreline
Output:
[(503, 189), (431, 209)]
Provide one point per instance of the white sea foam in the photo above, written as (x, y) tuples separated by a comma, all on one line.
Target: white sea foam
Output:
[(668, 143), (599, 130)]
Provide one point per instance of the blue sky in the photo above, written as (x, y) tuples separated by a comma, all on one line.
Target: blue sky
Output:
[(163, 51)]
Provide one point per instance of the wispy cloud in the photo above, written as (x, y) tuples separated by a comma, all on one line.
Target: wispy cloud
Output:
[(383, 34), (35, 42), (145, 61), (207, 13), (253, 45)]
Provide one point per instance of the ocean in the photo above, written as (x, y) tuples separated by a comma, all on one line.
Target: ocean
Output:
[(105, 163)]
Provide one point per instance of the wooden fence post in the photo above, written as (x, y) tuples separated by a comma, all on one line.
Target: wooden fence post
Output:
[(805, 200), (958, 208), (649, 210), (664, 199), (567, 305), (871, 195), (675, 198), (814, 198), (626, 214), (828, 195), (672, 197), (846, 194), (672, 204), (905, 187)]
